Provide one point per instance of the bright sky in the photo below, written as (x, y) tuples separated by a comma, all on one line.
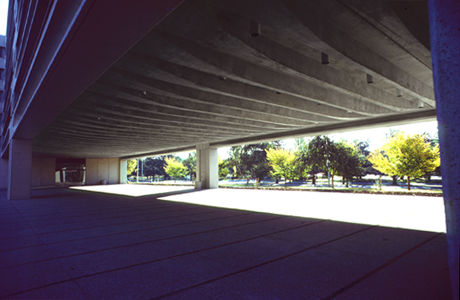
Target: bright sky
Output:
[(3, 16), (376, 137)]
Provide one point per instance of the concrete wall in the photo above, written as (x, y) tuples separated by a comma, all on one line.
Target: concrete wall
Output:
[(102, 169), (43, 171)]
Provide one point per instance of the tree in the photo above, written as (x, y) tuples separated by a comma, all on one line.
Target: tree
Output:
[(250, 161), (282, 162), (154, 166), (406, 155), (347, 161), (302, 168), (223, 168), (362, 148), (174, 168), (190, 164), (234, 161), (319, 155), (132, 165)]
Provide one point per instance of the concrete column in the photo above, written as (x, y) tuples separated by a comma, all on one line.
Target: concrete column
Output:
[(19, 169), (207, 167), (445, 51), (3, 174), (123, 171)]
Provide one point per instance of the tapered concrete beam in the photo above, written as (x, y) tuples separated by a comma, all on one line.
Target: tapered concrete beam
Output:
[(315, 17), (19, 169), (207, 170), (445, 51)]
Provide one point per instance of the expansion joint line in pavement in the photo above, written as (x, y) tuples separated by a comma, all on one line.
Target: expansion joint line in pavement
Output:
[(119, 223), (76, 211), (379, 268), (176, 255), (112, 234), (260, 264), (130, 231), (147, 241)]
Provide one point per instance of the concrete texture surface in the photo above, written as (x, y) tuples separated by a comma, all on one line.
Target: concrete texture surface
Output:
[(445, 42), (81, 245), (308, 67)]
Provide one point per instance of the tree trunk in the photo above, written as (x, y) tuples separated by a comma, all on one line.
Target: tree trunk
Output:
[(343, 180), (346, 182), (427, 178), (332, 180), (313, 180), (408, 183), (394, 181)]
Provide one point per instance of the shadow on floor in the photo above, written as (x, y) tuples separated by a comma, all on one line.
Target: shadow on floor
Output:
[(94, 246)]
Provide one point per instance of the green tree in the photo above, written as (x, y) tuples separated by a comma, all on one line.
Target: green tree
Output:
[(223, 168), (406, 155), (132, 165), (319, 155), (302, 168), (174, 168), (154, 166), (347, 161), (250, 161), (282, 162), (234, 161), (190, 164), (362, 148)]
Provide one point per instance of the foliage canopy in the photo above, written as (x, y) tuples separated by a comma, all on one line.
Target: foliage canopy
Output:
[(406, 155), (174, 168)]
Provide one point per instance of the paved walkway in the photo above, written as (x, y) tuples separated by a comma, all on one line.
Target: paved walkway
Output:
[(77, 245)]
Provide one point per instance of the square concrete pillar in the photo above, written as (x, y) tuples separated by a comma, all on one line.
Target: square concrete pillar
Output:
[(123, 171), (445, 53), (3, 174), (207, 167), (19, 169)]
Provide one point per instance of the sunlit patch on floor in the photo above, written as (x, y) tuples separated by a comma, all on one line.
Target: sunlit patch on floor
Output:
[(409, 212), (133, 190)]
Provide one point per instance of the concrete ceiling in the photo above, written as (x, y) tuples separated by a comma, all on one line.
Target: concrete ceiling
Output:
[(225, 71)]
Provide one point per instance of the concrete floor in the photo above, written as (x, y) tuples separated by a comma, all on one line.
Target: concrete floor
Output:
[(79, 245)]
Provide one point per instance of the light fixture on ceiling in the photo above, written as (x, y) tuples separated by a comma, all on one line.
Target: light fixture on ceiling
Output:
[(369, 79)]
